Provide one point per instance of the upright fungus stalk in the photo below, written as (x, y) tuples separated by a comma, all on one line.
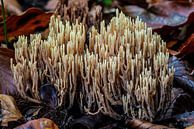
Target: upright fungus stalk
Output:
[(125, 65)]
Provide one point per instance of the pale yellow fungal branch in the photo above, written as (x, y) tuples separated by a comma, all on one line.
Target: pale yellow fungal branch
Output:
[(125, 65)]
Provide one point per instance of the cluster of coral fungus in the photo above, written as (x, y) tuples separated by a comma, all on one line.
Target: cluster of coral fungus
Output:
[(125, 65)]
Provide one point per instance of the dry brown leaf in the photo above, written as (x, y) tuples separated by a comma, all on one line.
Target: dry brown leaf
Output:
[(9, 110), (12, 6), (42, 123)]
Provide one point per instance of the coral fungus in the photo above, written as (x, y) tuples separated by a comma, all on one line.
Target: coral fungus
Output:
[(124, 66)]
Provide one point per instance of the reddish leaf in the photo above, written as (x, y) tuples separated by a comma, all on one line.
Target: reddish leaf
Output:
[(30, 21), (42, 123), (6, 77)]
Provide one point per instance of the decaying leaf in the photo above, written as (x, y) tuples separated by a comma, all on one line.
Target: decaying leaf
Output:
[(87, 121), (182, 75), (186, 48), (6, 76), (141, 124), (9, 110), (183, 102), (93, 122), (175, 13), (185, 119), (31, 21), (42, 123), (177, 36)]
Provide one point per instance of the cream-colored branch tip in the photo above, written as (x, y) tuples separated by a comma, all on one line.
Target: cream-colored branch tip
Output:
[(125, 65)]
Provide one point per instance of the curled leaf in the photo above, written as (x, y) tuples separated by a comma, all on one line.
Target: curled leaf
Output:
[(42, 123), (182, 76), (9, 110), (86, 122), (31, 21), (174, 14), (185, 119)]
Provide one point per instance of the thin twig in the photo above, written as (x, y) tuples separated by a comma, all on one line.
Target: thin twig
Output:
[(4, 22)]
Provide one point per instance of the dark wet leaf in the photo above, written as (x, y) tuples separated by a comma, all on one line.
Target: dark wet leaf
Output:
[(169, 13), (31, 21), (183, 102), (110, 126), (182, 75), (185, 119), (186, 48), (48, 95), (9, 110), (92, 122), (42, 123), (6, 76), (86, 122), (141, 124), (141, 3), (180, 102), (179, 32), (32, 113)]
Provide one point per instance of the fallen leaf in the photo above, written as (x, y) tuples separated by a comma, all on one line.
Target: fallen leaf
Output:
[(185, 119), (181, 102), (190, 127), (142, 124), (6, 76), (186, 48), (182, 75), (31, 21), (9, 110), (91, 121), (42, 123), (48, 95), (175, 36), (86, 122), (156, 16)]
